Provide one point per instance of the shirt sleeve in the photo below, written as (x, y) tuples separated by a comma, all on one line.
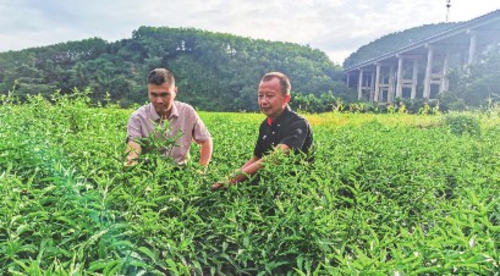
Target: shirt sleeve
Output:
[(258, 151), (200, 131), (133, 128), (295, 136)]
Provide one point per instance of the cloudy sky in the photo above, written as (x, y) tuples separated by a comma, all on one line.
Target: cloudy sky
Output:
[(337, 27)]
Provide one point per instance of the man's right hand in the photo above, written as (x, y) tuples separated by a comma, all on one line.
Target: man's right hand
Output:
[(128, 166), (133, 150), (130, 163)]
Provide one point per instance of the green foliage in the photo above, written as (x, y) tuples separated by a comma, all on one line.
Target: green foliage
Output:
[(460, 124), (325, 103), (362, 107), (477, 86), (383, 197), (214, 71), (158, 144)]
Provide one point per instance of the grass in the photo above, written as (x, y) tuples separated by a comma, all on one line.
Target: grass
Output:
[(388, 194)]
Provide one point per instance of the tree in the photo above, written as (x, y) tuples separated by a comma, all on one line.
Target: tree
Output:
[(476, 86)]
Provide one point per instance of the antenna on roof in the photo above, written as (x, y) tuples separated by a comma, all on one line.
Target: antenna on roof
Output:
[(448, 5)]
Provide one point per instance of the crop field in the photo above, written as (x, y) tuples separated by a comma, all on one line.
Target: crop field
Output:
[(388, 194)]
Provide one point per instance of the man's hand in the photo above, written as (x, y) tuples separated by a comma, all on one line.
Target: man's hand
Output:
[(220, 185), (133, 150), (236, 177), (130, 163), (216, 186), (201, 170)]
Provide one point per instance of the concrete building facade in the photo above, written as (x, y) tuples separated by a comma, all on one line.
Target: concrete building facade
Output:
[(395, 74)]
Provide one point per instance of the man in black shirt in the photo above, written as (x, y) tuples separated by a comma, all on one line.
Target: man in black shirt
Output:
[(283, 129)]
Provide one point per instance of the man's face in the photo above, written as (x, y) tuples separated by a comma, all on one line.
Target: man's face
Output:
[(271, 101), (162, 96)]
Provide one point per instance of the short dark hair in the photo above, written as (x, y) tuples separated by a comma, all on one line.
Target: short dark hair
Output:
[(158, 76), (285, 84)]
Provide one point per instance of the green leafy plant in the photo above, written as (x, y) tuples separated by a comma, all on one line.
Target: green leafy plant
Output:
[(460, 124), (386, 194), (159, 143)]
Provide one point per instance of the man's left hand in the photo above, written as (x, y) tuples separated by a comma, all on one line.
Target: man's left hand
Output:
[(219, 185)]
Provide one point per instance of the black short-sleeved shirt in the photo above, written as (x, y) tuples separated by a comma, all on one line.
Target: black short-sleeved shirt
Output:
[(289, 129)]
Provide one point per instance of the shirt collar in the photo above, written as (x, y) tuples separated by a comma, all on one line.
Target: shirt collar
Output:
[(154, 115), (280, 118), (269, 121), (174, 112)]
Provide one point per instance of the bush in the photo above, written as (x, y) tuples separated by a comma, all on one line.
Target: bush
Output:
[(460, 124)]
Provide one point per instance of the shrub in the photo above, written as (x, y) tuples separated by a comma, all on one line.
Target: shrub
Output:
[(460, 124)]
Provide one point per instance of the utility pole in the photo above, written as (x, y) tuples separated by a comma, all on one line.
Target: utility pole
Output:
[(448, 5)]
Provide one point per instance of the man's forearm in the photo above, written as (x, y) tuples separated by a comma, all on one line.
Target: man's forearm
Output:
[(247, 170), (249, 162), (206, 152), (253, 165)]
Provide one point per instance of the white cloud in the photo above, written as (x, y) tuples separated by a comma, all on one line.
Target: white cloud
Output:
[(337, 27)]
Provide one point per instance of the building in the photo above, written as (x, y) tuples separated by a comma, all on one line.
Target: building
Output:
[(395, 74)]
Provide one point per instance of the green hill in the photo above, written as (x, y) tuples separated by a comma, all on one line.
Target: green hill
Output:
[(394, 41), (214, 71)]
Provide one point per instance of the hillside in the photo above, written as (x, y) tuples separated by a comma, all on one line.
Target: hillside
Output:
[(394, 41), (214, 71)]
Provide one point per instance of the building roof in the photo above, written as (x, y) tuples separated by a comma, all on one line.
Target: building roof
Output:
[(460, 29)]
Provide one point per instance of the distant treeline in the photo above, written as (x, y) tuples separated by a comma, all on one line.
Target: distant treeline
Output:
[(214, 71), (220, 72)]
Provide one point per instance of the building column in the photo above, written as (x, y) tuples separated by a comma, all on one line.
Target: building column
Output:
[(360, 84), (414, 80), (428, 72), (461, 61), (372, 86), (347, 80), (399, 85), (472, 48), (444, 73), (390, 91), (377, 82)]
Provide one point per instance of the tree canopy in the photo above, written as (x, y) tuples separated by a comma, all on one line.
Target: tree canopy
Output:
[(214, 71)]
